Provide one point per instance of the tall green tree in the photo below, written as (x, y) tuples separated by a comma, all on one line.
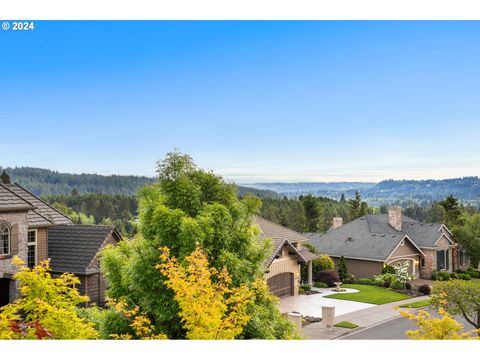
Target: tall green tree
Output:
[(468, 234), (190, 207), (310, 204), (357, 207), (452, 211)]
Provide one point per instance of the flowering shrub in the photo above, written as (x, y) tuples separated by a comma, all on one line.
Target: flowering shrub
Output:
[(401, 272)]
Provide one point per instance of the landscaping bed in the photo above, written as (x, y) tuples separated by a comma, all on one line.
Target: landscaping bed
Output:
[(370, 294)]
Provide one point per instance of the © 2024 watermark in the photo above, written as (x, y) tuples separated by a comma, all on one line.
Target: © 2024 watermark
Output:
[(18, 25)]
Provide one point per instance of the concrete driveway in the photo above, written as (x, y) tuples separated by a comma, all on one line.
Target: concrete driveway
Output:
[(311, 305)]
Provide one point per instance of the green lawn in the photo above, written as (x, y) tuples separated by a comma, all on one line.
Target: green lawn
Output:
[(370, 294), (417, 304), (346, 324)]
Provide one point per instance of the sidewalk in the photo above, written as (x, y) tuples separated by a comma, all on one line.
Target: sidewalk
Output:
[(363, 318)]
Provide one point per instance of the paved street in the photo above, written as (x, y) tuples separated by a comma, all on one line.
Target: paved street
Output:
[(392, 330)]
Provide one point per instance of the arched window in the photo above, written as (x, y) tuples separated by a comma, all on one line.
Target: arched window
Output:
[(4, 239)]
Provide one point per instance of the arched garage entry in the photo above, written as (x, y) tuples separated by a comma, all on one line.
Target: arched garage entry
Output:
[(4, 291), (281, 285)]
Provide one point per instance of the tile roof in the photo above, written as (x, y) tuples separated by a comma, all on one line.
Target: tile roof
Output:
[(43, 214), (371, 237), (72, 248), (9, 201), (280, 236)]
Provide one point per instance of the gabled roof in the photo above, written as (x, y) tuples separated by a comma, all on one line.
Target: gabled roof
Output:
[(9, 201), (279, 232), (282, 236), (371, 237), (72, 248), (43, 214)]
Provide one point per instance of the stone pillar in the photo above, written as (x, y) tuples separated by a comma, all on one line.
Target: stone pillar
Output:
[(328, 316), (296, 319), (309, 272)]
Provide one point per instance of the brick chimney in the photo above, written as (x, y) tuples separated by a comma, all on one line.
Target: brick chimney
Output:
[(395, 217), (337, 222)]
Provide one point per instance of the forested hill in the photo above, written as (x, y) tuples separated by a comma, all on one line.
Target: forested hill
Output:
[(47, 182), (466, 189), (43, 182)]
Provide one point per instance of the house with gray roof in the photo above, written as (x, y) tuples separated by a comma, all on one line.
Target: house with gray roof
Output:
[(373, 241), (35, 231), (285, 257)]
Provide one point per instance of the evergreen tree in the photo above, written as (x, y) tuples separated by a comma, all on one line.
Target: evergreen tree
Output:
[(342, 198), (452, 211), (310, 205), (342, 269), (357, 207), (5, 178)]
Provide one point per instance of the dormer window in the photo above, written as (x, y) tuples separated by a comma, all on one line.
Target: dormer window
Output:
[(4, 239)]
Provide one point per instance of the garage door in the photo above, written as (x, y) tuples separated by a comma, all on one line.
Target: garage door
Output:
[(281, 285)]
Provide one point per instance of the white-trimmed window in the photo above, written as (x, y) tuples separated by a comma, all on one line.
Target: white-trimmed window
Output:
[(5, 237), (32, 248)]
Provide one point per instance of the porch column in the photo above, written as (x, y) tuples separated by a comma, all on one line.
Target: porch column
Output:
[(309, 271)]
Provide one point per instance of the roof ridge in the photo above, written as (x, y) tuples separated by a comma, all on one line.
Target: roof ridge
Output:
[(44, 202), (275, 224), (21, 198)]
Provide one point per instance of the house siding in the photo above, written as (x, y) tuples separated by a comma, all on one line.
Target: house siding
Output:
[(360, 268)]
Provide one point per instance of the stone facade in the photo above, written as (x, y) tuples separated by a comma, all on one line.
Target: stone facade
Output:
[(7, 269), (430, 259)]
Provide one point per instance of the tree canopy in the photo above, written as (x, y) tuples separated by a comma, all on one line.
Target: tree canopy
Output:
[(186, 209)]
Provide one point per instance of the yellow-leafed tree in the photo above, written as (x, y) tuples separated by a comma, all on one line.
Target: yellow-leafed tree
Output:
[(47, 307), (430, 327), (210, 307)]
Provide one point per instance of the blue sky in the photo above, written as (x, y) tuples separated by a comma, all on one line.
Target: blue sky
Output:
[(254, 101)]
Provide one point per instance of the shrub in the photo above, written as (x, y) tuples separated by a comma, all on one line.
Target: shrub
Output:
[(473, 273), (301, 291), (434, 275), (324, 262), (443, 276), (305, 287), (350, 279), (388, 269), (365, 281), (385, 280), (464, 276), (397, 285), (454, 275), (425, 289), (320, 285), (408, 286), (327, 277)]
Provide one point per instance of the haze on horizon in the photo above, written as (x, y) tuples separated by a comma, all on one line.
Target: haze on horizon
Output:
[(253, 101)]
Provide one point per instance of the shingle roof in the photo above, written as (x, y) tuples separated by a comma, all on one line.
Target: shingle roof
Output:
[(280, 236), (44, 214), (372, 237), (9, 201), (72, 248)]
